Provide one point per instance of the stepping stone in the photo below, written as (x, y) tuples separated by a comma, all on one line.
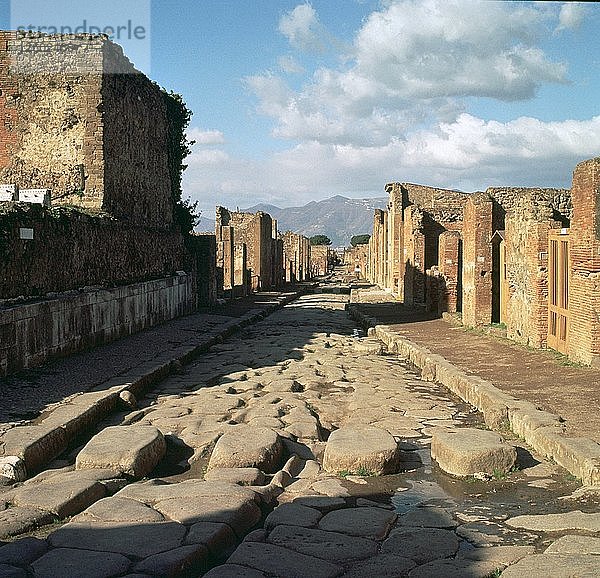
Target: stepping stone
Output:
[(555, 565), (138, 540), (241, 476), (62, 494), (36, 445), (177, 562), (247, 447), (465, 452), (71, 562), (373, 523), (119, 510), (293, 514), (361, 449), (325, 545), (564, 545), (575, 520), (386, 565), (277, 561), (131, 450), (421, 544)]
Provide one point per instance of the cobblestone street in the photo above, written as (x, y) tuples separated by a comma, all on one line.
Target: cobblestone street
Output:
[(297, 447)]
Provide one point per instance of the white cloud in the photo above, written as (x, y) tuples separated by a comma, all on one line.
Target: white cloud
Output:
[(571, 16), (414, 61), (301, 26), (290, 65), (469, 154), (206, 137)]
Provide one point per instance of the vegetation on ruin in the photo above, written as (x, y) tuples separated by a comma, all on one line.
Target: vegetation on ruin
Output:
[(360, 240), (185, 212), (320, 240)]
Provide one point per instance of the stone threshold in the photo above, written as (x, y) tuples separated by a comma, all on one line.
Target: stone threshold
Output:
[(541, 430), (37, 444)]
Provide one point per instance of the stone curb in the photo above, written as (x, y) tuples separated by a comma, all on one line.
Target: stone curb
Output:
[(541, 430), (39, 444)]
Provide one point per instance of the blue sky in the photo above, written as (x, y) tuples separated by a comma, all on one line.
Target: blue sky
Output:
[(297, 101)]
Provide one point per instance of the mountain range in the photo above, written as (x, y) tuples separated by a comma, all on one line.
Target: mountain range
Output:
[(338, 217)]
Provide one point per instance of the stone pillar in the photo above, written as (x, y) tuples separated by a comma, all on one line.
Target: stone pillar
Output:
[(414, 257), (584, 294), (449, 256), (477, 261)]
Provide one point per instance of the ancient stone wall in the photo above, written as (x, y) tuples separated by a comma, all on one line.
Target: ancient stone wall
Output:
[(204, 251), (357, 257), (319, 260), (70, 249), (477, 261), (378, 252), (296, 257), (255, 230), (34, 333), (72, 124), (526, 243), (558, 199), (414, 257), (450, 264)]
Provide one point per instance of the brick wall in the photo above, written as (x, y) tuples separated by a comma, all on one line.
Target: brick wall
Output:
[(414, 256), (477, 261), (449, 266), (584, 294)]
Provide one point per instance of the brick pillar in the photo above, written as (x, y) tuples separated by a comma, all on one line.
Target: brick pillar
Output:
[(449, 247), (584, 293), (477, 261)]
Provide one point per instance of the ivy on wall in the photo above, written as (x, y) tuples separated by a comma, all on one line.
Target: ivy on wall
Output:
[(178, 114)]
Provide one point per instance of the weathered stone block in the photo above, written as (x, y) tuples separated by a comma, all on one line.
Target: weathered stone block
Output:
[(465, 452)]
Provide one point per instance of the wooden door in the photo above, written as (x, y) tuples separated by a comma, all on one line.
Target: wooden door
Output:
[(559, 271)]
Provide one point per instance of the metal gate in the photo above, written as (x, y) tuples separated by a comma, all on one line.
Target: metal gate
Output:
[(558, 290)]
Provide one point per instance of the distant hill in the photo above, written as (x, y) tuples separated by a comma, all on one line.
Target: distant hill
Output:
[(338, 217), (205, 225)]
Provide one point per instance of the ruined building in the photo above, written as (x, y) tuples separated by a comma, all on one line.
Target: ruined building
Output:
[(249, 252), (77, 119), (296, 257), (524, 259)]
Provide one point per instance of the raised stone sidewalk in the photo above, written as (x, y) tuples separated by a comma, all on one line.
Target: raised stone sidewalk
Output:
[(101, 380), (417, 337)]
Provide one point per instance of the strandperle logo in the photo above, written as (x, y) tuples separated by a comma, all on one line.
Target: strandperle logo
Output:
[(127, 31)]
